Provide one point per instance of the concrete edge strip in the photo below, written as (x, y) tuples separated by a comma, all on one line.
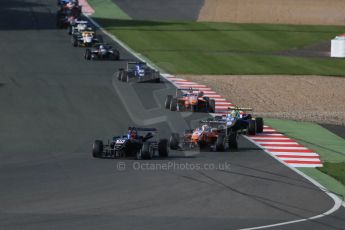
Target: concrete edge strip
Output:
[(337, 201)]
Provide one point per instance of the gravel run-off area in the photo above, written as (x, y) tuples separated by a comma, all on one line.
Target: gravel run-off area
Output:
[(303, 98)]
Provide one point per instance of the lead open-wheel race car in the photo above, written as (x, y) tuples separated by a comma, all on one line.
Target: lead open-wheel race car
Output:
[(238, 119), (141, 143), (190, 99), (138, 72)]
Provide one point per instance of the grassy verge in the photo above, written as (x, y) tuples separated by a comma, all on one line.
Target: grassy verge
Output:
[(226, 48), (106, 9), (336, 170), (330, 147)]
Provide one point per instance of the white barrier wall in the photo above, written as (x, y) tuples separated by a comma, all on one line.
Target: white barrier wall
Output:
[(338, 47)]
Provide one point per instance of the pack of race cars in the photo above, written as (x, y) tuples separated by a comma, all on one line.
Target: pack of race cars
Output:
[(218, 133), (83, 34)]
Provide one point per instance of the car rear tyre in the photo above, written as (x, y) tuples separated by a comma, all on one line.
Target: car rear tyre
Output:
[(87, 54), (259, 124), (163, 150), (168, 101), (251, 129), (74, 42), (194, 108), (124, 76), (233, 144), (69, 30), (119, 74), (97, 148), (212, 106), (173, 104), (174, 141), (146, 151), (220, 143)]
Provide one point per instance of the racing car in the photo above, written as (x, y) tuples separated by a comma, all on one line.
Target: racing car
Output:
[(86, 38), (190, 99), (238, 119), (209, 135), (66, 16), (101, 52), (78, 26), (142, 143), (65, 2), (138, 72), (220, 132)]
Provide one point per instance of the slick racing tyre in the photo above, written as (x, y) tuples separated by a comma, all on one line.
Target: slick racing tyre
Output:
[(168, 101), (146, 151), (251, 129), (233, 144), (259, 124), (173, 104), (220, 143), (97, 148), (163, 150), (212, 106), (174, 141), (88, 54)]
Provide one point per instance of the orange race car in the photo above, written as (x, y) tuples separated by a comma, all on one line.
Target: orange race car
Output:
[(190, 99), (210, 135)]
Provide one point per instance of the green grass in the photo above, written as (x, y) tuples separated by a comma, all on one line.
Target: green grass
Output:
[(225, 48), (106, 9), (336, 170)]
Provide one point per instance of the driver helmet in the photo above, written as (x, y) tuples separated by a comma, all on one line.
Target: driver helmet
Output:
[(200, 94), (204, 127), (234, 113), (101, 47), (132, 134)]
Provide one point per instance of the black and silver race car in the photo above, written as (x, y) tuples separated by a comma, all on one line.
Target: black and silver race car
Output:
[(142, 143), (138, 72), (102, 52)]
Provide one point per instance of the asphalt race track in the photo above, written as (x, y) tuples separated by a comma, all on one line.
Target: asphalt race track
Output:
[(53, 104)]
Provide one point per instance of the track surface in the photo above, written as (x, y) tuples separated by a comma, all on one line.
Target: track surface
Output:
[(54, 104), (179, 10)]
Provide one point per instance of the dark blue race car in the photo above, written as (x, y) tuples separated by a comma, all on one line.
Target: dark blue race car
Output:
[(141, 143)]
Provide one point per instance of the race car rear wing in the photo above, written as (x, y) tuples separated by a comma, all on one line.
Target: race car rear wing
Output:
[(81, 22), (135, 63), (215, 122), (144, 129), (194, 89), (179, 91), (239, 108)]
